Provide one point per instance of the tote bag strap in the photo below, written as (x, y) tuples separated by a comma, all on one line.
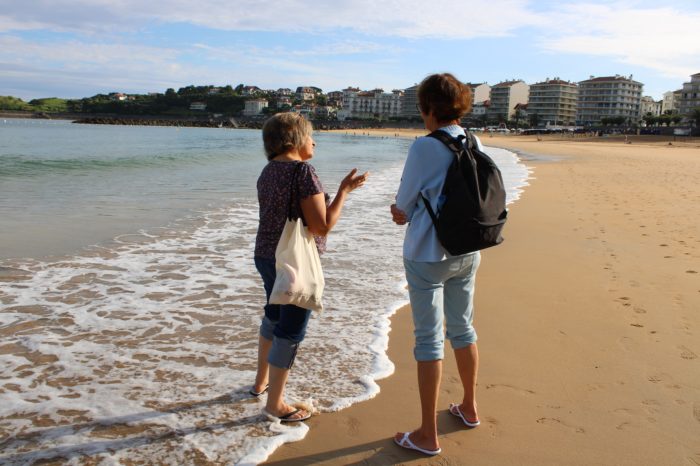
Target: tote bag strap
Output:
[(294, 194)]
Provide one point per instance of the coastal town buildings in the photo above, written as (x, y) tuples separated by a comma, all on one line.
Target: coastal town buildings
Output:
[(649, 106), (553, 102), (608, 97), (480, 92), (690, 95), (254, 106), (504, 97), (521, 114), (335, 98), (250, 90), (479, 109), (671, 101), (409, 106), (283, 101), (371, 104), (306, 93)]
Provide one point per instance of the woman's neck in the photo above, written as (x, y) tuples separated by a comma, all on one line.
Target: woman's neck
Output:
[(431, 123), (291, 156)]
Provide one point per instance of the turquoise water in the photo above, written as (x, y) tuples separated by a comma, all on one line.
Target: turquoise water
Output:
[(65, 186), (129, 295)]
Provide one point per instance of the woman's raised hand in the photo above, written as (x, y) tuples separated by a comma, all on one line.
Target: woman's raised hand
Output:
[(353, 181)]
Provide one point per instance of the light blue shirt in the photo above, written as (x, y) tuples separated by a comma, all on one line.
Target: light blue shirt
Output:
[(424, 172)]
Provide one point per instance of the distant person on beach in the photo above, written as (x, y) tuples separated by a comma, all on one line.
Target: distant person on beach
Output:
[(440, 286), (289, 145)]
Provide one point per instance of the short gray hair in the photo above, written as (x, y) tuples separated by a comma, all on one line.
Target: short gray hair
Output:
[(284, 132)]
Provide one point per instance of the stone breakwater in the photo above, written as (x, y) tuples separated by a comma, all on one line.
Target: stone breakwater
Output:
[(170, 122), (238, 122)]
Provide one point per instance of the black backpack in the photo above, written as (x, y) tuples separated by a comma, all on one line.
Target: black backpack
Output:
[(473, 210)]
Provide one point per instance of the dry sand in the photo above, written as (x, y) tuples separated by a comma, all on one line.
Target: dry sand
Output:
[(588, 318)]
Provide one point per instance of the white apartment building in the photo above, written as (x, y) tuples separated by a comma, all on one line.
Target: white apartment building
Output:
[(409, 105), (480, 92), (370, 104), (648, 105), (284, 100), (254, 106), (671, 101), (505, 96), (306, 93), (335, 98), (606, 97), (480, 108), (690, 95), (554, 101)]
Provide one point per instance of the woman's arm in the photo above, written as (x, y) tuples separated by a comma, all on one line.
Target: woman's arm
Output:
[(320, 219)]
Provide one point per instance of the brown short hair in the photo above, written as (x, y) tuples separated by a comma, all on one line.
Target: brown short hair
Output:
[(283, 132), (445, 96)]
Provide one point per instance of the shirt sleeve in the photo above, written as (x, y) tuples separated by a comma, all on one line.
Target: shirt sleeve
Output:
[(411, 180), (309, 184)]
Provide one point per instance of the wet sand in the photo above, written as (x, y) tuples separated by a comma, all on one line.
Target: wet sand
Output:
[(588, 318)]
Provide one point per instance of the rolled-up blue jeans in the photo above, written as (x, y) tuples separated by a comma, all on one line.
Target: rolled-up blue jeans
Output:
[(284, 324), (442, 294)]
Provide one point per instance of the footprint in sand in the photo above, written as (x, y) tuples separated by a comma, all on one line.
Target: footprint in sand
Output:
[(557, 421), (624, 300), (353, 426), (510, 387), (691, 271), (686, 353)]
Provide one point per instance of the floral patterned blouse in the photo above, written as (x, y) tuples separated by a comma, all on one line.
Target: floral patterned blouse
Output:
[(274, 187)]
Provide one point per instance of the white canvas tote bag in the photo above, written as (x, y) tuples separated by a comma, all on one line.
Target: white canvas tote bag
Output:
[(299, 280)]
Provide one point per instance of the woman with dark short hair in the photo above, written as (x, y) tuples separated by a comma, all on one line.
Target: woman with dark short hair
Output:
[(289, 145), (440, 286)]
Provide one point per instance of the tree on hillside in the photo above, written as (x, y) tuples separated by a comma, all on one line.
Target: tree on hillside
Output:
[(50, 104), (13, 103)]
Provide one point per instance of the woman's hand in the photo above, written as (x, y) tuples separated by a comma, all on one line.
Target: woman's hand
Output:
[(352, 182), (321, 219), (398, 216)]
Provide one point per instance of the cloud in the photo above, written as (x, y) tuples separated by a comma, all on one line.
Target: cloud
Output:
[(660, 38), (73, 65), (449, 19)]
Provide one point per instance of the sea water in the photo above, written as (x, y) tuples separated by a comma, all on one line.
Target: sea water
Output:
[(130, 303)]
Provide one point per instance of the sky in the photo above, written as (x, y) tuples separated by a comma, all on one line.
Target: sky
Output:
[(79, 48)]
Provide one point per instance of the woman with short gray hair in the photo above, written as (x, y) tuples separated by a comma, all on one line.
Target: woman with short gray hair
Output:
[(289, 146)]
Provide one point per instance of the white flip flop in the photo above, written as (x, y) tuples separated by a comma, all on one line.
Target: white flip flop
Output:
[(455, 411), (406, 443)]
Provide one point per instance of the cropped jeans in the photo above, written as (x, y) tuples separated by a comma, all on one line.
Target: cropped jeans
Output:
[(284, 324), (442, 294)]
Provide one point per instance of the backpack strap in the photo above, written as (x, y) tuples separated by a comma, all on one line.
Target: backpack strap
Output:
[(456, 145)]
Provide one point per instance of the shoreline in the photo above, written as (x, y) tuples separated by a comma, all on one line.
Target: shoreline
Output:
[(588, 360)]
